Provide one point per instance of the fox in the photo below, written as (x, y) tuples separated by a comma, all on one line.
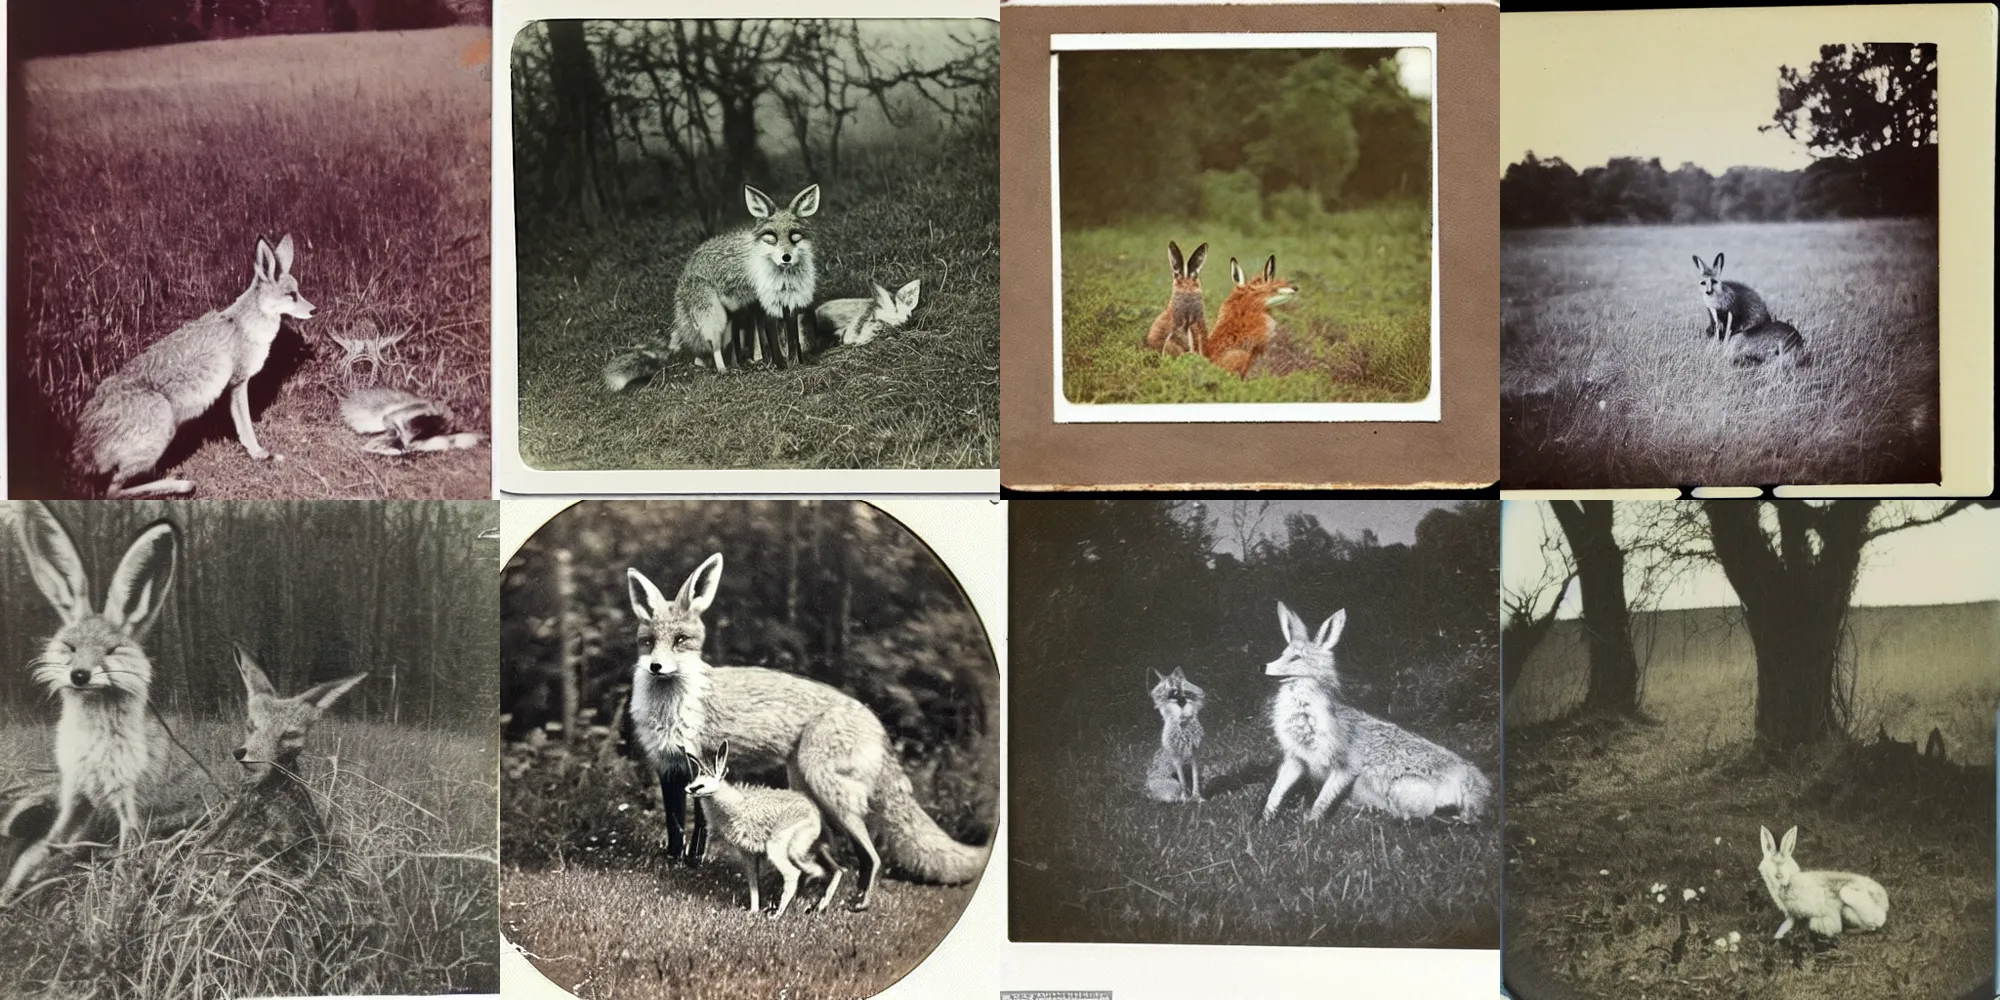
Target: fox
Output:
[(769, 265), (274, 816), (133, 415), (1175, 776), (853, 322), (774, 824), (833, 747), (401, 423), (1388, 768), (1185, 314), (108, 749), (1243, 326)]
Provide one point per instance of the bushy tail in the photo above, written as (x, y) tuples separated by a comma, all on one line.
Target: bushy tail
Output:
[(637, 366), (913, 842), (1163, 782)]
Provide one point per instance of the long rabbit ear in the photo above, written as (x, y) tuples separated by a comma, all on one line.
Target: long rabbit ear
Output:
[(697, 598), (323, 695), (53, 561), (285, 255), (139, 586), (255, 680), (1791, 841), (1329, 631), (647, 601), (1194, 262), (1769, 843), (1291, 625), (1174, 259)]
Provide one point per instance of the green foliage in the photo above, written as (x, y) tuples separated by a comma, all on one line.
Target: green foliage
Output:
[(1359, 330), (1308, 137), (1230, 196)]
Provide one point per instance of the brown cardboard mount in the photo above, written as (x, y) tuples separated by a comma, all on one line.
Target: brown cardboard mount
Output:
[(1461, 450)]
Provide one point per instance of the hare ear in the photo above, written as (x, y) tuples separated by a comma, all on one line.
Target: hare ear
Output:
[(53, 561), (647, 601), (139, 586), (1769, 843), (1718, 262), (1791, 840), (1235, 271), (1174, 259), (696, 596), (1194, 262)]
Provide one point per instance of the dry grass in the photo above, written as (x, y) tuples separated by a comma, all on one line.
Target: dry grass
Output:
[(412, 911), (1095, 860), (925, 397), (1598, 817), (147, 177), (1607, 382)]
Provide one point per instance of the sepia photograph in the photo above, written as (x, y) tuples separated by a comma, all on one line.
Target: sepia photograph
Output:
[(283, 202), (1254, 722), (757, 244), (1719, 254), (750, 748), (1256, 238), (248, 749), (1750, 748)]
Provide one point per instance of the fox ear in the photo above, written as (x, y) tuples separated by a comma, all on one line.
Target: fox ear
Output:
[(139, 585), (1271, 267), (1174, 259), (1291, 625), (908, 293), (1235, 271), (1161, 678), (322, 696), (285, 255), (53, 561), (1698, 265), (806, 202), (1194, 262), (760, 204), (267, 261), (1791, 840), (1329, 631), (255, 680), (647, 601), (695, 595), (1718, 262)]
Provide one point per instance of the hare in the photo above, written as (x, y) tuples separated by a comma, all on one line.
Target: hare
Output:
[(1185, 315), (1243, 326), (1827, 901), (774, 824)]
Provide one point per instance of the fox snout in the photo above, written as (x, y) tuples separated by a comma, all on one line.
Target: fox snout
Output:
[(303, 309), (79, 677)]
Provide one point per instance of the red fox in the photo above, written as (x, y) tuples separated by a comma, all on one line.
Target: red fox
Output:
[(1243, 325)]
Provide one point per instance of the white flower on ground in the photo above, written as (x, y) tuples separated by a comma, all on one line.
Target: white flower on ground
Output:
[(1735, 937), (1687, 895), (1604, 871), (1659, 897), (1658, 887)]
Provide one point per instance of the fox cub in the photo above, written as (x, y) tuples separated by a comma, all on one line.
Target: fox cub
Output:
[(1185, 316), (766, 824), (1736, 310), (853, 322), (1175, 776), (1243, 326), (768, 265)]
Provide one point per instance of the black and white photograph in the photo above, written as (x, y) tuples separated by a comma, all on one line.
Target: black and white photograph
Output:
[(285, 203), (1750, 748), (756, 244), (1719, 251), (248, 749), (1255, 722), (750, 748)]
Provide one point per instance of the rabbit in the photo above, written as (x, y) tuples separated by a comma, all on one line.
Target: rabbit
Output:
[(1184, 313), (1827, 901), (1243, 326)]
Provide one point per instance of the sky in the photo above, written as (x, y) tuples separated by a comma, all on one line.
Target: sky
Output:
[(1950, 562), (1393, 521), (1668, 84)]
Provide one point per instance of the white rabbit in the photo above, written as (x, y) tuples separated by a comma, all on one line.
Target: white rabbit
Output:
[(1827, 901)]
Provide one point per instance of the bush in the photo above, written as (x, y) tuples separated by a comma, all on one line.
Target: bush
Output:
[(1231, 197)]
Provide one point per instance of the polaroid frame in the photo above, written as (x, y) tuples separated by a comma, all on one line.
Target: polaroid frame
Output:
[(512, 475), (1458, 450), (1428, 408)]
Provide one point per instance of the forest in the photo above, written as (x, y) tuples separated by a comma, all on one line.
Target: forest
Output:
[(403, 590), (45, 29), (1867, 112)]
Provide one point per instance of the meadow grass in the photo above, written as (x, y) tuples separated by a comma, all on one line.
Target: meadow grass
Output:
[(924, 397), (1606, 380), (1359, 330), (410, 911), (587, 892), (1600, 816), (146, 179), (1095, 860)]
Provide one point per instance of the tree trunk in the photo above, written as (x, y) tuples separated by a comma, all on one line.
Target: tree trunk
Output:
[(580, 106), (1523, 635), (1607, 620)]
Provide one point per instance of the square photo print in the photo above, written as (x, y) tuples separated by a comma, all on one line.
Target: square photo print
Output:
[(1254, 240)]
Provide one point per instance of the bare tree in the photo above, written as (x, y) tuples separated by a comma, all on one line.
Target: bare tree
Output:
[(1607, 619), (1526, 627)]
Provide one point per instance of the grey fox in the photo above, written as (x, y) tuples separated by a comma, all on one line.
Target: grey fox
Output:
[(400, 423), (1388, 768), (774, 824), (834, 748), (769, 265), (853, 322), (1175, 776), (134, 414), (1733, 307), (1185, 316)]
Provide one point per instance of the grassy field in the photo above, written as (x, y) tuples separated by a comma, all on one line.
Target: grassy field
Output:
[(1359, 331), (1608, 828), (925, 397), (148, 176), (1095, 860), (1607, 382), (587, 892), (413, 911)]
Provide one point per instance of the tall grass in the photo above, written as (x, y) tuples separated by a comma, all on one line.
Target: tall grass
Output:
[(148, 176), (1607, 382), (410, 909), (1359, 330)]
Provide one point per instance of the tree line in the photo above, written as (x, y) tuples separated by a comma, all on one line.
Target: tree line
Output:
[(404, 590), (1868, 114), (1104, 591), (73, 26)]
